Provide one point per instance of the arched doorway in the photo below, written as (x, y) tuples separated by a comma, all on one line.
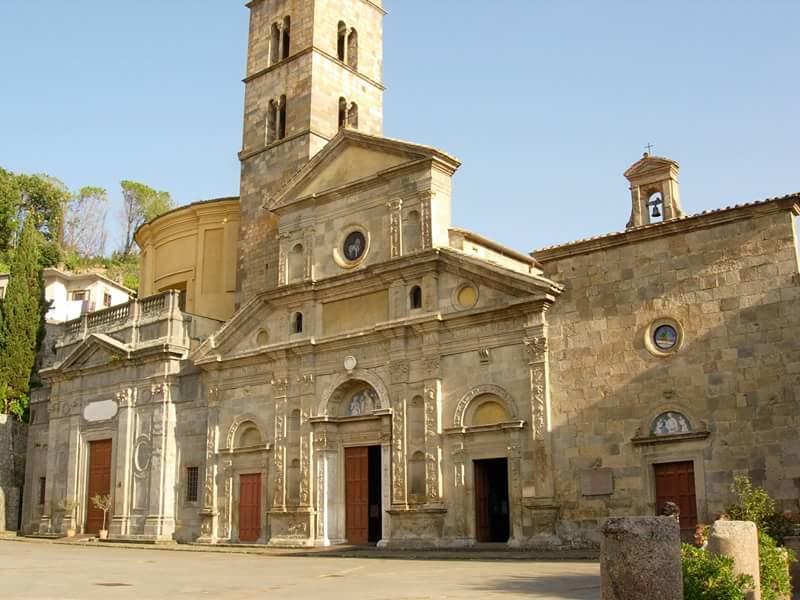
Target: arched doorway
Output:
[(352, 443)]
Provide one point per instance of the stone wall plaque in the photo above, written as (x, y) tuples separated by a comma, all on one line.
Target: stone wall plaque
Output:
[(597, 482), (100, 411)]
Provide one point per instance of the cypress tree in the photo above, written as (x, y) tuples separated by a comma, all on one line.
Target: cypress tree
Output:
[(21, 320)]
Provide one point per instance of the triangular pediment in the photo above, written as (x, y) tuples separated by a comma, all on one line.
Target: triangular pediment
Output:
[(239, 334), (650, 164), (95, 351), (352, 158)]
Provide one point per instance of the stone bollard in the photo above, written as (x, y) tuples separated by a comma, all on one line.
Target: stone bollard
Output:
[(739, 540), (640, 558)]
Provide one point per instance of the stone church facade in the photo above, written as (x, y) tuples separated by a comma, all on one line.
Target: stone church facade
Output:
[(385, 377)]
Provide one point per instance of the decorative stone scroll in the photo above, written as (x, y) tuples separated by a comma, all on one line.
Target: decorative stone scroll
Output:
[(425, 220), (279, 456), (308, 245), (395, 227), (398, 453), (305, 470), (432, 451), (538, 402)]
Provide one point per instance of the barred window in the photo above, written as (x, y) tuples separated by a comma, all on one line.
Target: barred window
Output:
[(192, 483)]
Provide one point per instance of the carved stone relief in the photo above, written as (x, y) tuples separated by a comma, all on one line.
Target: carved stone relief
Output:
[(398, 456)]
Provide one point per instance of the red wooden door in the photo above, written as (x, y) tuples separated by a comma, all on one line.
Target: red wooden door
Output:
[(99, 483), (250, 507), (357, 494), (675, 483), (483, 528)]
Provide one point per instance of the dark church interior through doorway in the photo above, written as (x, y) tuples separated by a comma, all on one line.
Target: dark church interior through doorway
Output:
[(491, 500)]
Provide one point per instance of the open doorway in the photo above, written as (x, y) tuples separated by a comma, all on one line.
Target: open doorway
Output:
[(363, 494), (491, 500)]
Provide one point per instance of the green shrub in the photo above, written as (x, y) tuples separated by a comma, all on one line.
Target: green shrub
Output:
[(774, 562), (756, 505), (707, 576)]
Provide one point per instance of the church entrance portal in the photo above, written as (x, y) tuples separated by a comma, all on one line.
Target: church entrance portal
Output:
[(675, 483), (491, 500), (99, 483), (249, 507), (363, 494)]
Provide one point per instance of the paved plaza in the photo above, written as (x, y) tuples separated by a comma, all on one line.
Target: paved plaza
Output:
[(54, 571)]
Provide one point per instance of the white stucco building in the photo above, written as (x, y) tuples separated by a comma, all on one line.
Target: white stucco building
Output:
[(73, 294)]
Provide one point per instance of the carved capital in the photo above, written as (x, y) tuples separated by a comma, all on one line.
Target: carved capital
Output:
[(280, 387), (536, 348), (124, 398)]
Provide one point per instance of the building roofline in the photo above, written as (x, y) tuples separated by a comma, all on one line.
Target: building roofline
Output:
[(708, 218), (85, 275), (177, 209), (496, 246)]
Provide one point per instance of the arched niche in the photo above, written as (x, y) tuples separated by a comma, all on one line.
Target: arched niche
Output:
[(343, 389), (487, 403), (245, 432)]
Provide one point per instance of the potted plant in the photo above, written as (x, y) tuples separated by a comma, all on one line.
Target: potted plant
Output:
[(103, 502), (69, 506)]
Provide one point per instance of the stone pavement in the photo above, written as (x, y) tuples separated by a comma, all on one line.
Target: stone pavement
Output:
[(45, 570)]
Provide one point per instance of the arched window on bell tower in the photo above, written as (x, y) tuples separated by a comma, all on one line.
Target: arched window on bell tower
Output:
[(341, 42), (342, 113), (272, 122), (274, 44), (287, 36), (352, 49), (352, 115), (282, 117)]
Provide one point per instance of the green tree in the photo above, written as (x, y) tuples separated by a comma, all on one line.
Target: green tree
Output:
[(44, 199), (22, 317), (140, 204), (10, 199)]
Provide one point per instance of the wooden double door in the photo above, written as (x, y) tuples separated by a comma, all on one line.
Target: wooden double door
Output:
[(363, 494), (250, 507), (675, 483), (99, 483)]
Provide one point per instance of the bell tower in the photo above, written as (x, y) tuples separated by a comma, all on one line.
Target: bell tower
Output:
[(313, 67), (654, 190)]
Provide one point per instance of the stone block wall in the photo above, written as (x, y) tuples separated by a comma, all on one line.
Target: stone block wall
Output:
[(730, 281), (13, 442)]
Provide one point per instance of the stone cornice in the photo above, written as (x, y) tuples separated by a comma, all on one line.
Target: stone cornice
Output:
[(311, 49), (369, 336), (704, 220)]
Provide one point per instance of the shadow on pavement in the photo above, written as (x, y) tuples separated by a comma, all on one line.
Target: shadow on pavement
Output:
[(568, 587)]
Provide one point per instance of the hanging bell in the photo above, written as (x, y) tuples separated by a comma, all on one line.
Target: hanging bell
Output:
[(656, 212)]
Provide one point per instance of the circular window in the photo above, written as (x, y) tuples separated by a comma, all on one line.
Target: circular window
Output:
[(663, 337), (354, 245), (467, 296)]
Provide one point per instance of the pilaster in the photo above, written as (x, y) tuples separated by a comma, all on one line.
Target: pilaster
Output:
[(123, 494), (209, 514)]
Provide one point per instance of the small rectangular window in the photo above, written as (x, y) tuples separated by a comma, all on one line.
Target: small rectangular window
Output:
[(107, 300), (80, 296), (192, 483), (42, 487)]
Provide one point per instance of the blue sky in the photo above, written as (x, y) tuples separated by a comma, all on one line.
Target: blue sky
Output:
[(546, 103)]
